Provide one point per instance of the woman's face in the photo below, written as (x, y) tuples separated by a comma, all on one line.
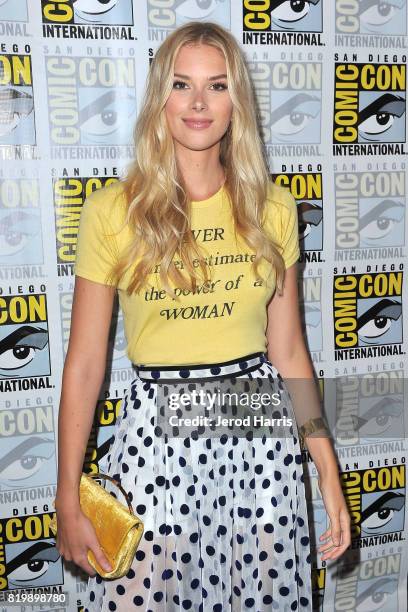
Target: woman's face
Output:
[(199, 97)]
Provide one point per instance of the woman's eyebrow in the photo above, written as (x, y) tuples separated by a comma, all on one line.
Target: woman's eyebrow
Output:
[(213, 78)]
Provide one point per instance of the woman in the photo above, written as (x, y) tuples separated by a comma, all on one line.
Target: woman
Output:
[(224, 515)]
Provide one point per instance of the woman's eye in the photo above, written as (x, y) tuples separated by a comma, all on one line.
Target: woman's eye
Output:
[(223, 86)]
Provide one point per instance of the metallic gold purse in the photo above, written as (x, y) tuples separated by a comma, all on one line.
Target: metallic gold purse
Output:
[(117, 528)]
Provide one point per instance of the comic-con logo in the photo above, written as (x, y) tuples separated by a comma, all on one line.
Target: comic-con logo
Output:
[(108, 12), (27, 454), (281, 16), (24, 346), (13, 12), (170, 14), (369, 104), (29, 557), (17, 123), (376, 501), (91, 100), (69, 196), (367, 314), (369, 584), (370, 211), (370, 408), (388, 17), (20, 222), (307, 189), (290, 98)]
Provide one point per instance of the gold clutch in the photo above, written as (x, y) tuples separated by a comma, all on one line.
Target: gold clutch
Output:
[(117, 528)]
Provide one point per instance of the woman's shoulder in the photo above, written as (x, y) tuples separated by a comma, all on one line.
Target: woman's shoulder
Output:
[(108, 196), (109, 202), (281, 207), (279, 194)]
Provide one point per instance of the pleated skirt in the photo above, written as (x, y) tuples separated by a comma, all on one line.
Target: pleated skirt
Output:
[(225, 516)]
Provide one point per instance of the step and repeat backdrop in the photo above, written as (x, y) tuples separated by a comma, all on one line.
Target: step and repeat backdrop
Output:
[(331, 84)]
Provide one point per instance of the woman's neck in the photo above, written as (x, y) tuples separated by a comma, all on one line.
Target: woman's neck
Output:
[(201, 189)]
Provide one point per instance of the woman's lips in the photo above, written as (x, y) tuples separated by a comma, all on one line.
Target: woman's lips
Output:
[(197, 125)]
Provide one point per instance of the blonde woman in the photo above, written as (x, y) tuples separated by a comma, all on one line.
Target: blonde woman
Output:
[(201, 247)]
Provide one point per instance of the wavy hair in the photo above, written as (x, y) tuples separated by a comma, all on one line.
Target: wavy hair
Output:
[(157, 206)]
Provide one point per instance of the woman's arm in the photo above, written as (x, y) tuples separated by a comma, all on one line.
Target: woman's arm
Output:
[(83, 374), (288, 353)]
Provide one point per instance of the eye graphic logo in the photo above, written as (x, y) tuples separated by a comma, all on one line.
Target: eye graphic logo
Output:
[(283, 15), (368, 312), (376, 219), (27, 453), (88, 12), (296, 117), (381, 222), (17, 123), (379, 320), (203, 10), (20, 222), (13, 11), (372, 17), (369, 103), (24, 348), (92, 101), (289, 94), (177, 12)]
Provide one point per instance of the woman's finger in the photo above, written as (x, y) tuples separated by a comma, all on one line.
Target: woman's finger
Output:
[(337, 551), (326, 546)]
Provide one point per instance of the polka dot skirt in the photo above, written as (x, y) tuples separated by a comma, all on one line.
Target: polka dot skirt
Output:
[(225, 519)]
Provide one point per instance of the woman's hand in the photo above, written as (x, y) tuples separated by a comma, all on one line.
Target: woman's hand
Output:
[(338, 535), (75, 536)]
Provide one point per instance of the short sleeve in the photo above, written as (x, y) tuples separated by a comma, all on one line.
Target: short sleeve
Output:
[(96, 251), (290, 232)]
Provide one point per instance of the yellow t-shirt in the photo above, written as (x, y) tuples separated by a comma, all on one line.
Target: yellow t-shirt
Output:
[(218, 323)]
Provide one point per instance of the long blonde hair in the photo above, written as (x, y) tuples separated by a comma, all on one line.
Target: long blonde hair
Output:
[(157, 206)]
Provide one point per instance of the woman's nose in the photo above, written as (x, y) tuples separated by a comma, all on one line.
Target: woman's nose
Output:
[(199, 102)]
